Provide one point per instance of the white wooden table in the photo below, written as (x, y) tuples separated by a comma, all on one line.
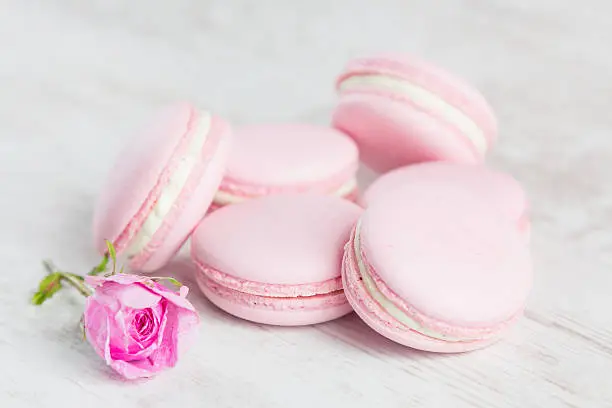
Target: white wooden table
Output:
[(76, 76)]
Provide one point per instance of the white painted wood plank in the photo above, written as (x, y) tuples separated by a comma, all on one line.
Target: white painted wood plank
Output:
[(76, 76)]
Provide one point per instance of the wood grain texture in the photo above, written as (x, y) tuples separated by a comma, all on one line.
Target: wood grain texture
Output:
[(77, 76)]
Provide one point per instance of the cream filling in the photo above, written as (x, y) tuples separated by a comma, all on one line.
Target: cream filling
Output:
[(425, 99), (172, 190), (387, 305), (225, 198)]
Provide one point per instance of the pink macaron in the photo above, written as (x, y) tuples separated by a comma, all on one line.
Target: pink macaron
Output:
[(277, 259), (161, 186), (288, 158), (436, 269), (500, 190), (402, 110)]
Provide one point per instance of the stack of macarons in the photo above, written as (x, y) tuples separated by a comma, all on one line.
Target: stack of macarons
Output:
[(433, 255)]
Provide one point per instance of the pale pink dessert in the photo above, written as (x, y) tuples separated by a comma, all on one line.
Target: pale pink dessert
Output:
[(499, 190), (402, 110), (436, 269), (288, 158), (276, 259), (162, 185)]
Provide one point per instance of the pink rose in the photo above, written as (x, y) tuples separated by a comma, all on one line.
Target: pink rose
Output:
[(137, 325)]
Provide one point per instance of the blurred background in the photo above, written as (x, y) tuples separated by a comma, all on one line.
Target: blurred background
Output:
[(77, 76)]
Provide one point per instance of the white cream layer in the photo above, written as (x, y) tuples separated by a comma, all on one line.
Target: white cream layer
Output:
[(225, 198), (171, 191), (425, 99), (386, 304)]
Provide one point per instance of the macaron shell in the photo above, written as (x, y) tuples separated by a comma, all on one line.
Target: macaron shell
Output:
[(290, 154), (453, 89), (498, 189), (376, 318), (448, 255), (277, 313), (391, 133), (137, 171), (280, 239), (243, 286), (192, 204)]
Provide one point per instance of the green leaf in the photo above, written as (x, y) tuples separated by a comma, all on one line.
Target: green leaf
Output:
[(49, 281), (47, 287), (111, 250), (101, 267), (112, 253), (175, 282), (38, 298)]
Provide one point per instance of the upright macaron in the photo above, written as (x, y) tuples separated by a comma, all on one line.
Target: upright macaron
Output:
[(276, 259), (288, 158), (161, 185), (500, 190), (402, 110), (436, 269)]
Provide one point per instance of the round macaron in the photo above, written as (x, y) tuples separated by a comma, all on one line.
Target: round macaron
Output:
[(436, 269), (162, 185), (402, 110), (499, 190), (288, 158), (276, 259)]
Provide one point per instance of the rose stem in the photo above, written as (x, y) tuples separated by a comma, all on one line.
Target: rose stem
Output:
[(70, 278)]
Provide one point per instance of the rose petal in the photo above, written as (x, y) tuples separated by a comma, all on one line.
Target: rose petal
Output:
[(125, 343), (187, 332), (174, 298), (179, 333), (124, 278), (135, 369), (94, 319), (165, 353), (137, 296), (107, 353)]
